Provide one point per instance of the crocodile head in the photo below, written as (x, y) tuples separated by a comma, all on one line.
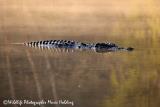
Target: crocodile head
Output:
[(105, 45)]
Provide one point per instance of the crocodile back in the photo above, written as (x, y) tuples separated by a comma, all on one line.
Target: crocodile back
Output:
[(74, 45)]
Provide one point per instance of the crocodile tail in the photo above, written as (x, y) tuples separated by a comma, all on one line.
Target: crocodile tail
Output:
[(38, 43), (33, 43), (44, 43)]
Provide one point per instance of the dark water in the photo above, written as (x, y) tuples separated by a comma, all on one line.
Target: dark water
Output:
[(88, 79)]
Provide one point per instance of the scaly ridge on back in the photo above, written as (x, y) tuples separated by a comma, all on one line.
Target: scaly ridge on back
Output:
[(99, 47)]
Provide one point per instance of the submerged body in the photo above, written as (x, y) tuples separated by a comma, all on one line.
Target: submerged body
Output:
[(67, 44)]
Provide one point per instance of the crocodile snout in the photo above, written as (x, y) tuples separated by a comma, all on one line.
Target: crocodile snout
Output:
[(130, 49)]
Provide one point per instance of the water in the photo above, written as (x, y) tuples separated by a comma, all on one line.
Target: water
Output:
[(89, 79)]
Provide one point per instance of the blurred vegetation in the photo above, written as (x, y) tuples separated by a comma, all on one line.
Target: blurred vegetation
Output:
[(125, 18)]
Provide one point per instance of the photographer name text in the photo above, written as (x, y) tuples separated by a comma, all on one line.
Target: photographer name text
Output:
[(37, 103)]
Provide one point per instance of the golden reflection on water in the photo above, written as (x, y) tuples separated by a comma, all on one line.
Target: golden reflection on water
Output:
[(90, 79)]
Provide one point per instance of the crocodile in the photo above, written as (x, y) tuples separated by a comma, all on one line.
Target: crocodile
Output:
[(71, 44)]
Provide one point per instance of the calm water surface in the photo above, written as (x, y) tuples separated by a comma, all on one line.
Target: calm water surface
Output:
[(89, 79)]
